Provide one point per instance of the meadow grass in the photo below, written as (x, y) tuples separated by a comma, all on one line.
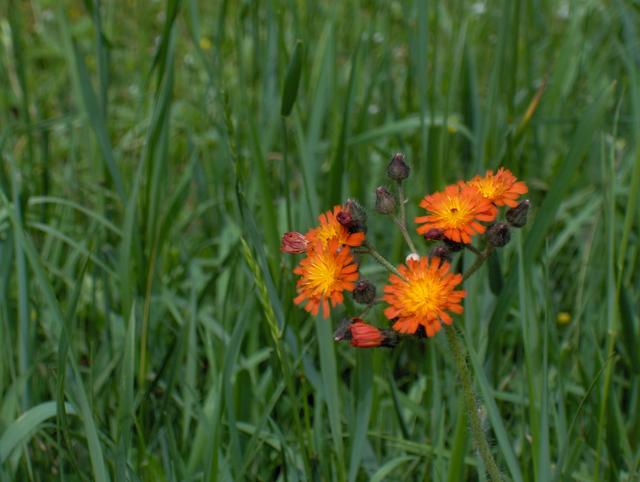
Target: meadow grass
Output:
[(151, 155)]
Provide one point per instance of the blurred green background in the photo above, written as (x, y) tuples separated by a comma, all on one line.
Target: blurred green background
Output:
[(147, 325)]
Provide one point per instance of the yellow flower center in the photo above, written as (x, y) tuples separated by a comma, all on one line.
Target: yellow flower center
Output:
[(455, 213), (425, 296), (489, 188), (328, 231), (322, 275)]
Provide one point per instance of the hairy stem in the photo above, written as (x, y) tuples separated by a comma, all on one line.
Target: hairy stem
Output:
[(401, 222), (479, 438), (482, 257), (381, 259)]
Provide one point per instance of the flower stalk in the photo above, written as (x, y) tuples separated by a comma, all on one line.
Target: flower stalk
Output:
[(479, 438)]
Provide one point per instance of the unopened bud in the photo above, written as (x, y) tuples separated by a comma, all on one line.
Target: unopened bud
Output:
[(498, 234), (398, 169), (364, 335), (517, 216), (385, 202), (441, 251), (412, 257), (453, 246), (344, 218), (364, 292), (434, 234), (353, 217), (294, 243)]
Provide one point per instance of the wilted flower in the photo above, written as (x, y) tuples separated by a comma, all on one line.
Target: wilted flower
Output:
[(294, 243)]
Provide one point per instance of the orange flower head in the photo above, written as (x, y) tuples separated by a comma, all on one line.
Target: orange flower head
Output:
[(501, 188), (364, 335), (456, 212), (325, 273), (424, 296), (331, 228)]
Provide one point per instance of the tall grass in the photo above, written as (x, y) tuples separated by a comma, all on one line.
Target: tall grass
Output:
[(151, 154)]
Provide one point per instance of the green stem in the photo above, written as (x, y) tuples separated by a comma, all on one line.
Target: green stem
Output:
[(405, 233), (473, 408), (402, 221), (381, 259), (473, 249), (482, 257)]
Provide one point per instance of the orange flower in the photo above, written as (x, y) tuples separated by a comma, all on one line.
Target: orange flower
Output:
[(325, 273), (456, 211), (330, 228), (501, 188), (424, 296), (364, 335)]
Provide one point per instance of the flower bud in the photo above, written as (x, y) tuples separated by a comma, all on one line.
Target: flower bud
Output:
[(353, 217), (434, 234), (294, 243), (364, 335), (385, 202), (498, 234), (517, 216), (364, 292), (412, 257), (441, 251), (398, 169)]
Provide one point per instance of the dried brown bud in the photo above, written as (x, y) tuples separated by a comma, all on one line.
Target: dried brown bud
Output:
[(364, 292), (354, 217), (294, 243), (398, 169), (441, 251), (498, 234), (434, 234), (385, 202), (344, 218), (517, 216)]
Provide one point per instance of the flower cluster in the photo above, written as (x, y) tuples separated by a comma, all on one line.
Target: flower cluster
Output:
[(422, 293), (328, 268)]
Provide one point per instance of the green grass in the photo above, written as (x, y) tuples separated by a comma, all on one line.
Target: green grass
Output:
[(151, 154)]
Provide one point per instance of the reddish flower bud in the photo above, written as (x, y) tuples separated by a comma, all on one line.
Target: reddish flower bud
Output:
[(344, 218), (364, 335), (385, 202), (498, 235), (357, 222), (293, 243), (517, 216), (398, 169), (441, 251), (364, 292), (434, 234)]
